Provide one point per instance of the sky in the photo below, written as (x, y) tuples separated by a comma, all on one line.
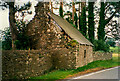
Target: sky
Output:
[(4, 19), (4, 14)]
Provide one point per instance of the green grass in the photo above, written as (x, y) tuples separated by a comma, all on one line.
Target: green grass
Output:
[(61, 74), (115, 49), (58, 74)]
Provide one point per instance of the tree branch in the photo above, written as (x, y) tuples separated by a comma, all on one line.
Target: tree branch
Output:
[(106, 9), (108, 20), (107, 6)]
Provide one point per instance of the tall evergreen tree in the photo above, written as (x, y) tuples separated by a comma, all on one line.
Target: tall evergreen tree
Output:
[(79, 22), (83, 24), (91, 27), (76, 19), (61, 11), (101, 31)]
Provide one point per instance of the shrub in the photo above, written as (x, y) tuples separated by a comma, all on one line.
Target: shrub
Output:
[(7, 39), (100, 45), (22, 42), (111, 42), (73, 43)]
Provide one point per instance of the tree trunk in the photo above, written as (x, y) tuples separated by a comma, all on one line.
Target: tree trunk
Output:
[(51, 6), (79, 16), (73, 10), (61, 4), (103, 22), (12, 24)]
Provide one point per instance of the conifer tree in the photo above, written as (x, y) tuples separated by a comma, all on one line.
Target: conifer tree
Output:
[(101, 32), (91, 21), (76, 19), (61, 11), (83, 24)]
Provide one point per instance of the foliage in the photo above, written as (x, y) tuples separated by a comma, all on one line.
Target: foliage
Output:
[(83, 24), (116, 6), (7, 42), (73, 43), (0, 45), (71, 22), (21, 26), (79, 22), (68, 13), (14, 8), (68, 19), (111, 42), (76, 19), (100, 45), (101, 31), (61, 11), (22, 41), (91, 27), (115, 49), (111, 8)]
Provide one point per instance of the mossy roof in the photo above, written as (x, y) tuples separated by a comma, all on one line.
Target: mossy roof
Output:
[(70, 30)]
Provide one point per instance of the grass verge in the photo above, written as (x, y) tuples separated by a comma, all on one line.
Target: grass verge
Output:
[(115, 49), (61, 74)]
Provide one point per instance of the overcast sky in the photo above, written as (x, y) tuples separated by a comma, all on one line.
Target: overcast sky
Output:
[(4, 19), (4, 14)]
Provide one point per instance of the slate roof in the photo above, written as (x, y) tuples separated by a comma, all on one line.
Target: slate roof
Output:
[(70, 30)]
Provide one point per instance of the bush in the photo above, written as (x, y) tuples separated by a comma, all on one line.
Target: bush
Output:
[(72, 43), (111, 42), (22, 41), (7, 41), (115, 49), (100, 45)]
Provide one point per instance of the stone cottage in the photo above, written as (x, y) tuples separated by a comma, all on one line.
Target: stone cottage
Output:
[(67, 46), (55, 44), (83, 47)]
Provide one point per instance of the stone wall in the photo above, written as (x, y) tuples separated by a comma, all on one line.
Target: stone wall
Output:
[(64, 59), (102, 56), (24, 64), (29, 63), (84, 59)]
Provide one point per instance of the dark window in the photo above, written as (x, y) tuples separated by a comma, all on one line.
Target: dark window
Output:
[(84, 53), (49, 19)]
